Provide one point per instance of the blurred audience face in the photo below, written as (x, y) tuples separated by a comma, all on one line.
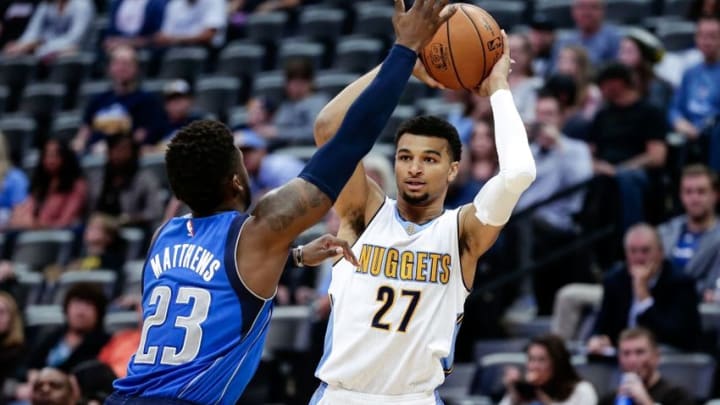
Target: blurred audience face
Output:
[(298, 88), (123, 66), (52, 159), (121, 153), (642, 248), (82, 316), (97, 233), (629, 53), (707, 38), (612, 90), (5, 316), (541, 41), (178, 107), (539, 365), (521, 51), (567, 63), (482, 143), (257, 113), (548, 122), (588, 15), (52, 387), (253, 159), (637, 355), (698, 196)]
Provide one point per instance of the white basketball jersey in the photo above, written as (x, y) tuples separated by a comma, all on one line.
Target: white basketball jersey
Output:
[(395, 317)]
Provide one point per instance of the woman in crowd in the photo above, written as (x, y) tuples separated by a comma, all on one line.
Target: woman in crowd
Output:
[(640, 51)]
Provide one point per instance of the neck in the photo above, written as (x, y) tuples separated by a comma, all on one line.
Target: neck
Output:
[(628, 98), (590, 31), (420, 214), (701, 224), (654, 378), (124, 87), (710, 59)]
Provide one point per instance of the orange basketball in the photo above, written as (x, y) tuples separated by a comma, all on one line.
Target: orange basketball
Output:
[(464, 49)]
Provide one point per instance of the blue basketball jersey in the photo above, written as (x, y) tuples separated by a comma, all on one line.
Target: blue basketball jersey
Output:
[(203, 330)]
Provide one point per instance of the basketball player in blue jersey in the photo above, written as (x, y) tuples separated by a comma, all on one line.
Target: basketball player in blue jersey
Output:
[(395, 315), (210, 277)]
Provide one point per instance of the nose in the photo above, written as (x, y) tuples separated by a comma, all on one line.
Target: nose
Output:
[(415, 167)]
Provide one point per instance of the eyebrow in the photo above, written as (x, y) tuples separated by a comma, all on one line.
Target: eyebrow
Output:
[(427, 151)]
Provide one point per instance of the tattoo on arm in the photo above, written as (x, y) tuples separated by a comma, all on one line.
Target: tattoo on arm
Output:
[(290, 203)]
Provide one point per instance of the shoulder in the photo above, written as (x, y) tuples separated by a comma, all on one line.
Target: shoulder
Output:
[(16, 176), (616, 275), (585, 389), (672, 224)]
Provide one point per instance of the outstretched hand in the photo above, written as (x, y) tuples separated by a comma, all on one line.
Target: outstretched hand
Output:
[(416, 27), (326, 247), (498, 77), (421, 74)]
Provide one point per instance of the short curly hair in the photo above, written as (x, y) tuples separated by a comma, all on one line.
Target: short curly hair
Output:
[(201, 159), (428, 125)]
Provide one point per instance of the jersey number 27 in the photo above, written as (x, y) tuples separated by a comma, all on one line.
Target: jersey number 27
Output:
[(161, 297)]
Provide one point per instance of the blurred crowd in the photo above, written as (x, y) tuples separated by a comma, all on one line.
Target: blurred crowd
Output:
[(615, 247)]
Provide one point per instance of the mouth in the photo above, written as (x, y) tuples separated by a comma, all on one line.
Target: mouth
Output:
[(414, 185)]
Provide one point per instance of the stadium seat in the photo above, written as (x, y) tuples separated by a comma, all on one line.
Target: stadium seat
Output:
[(121, 320), (507, 13), (154, 86), (485, 347), (270, 84), (29, 285), (4, 95), (156, 163), (374, 20), (44, 315), (106, 279), (134, 239), (359, 55), (93, 165), (65, 126), (19, 131), (38, 249), (676, 7), (332, 83), (325, 24), (289, 329), (529, 327), (437, 107), (266, 28), (603, 376), (42, 100), (400, 114), (215, 94), (455, 390), (694, 372), (302, 49), (414, 90), (91, 39), (90, 90), (237, 117), (557, 11), (241, 59), (677, 36), (133, 276), (488, 379), (183, 63), (71, 71), (628, 11)]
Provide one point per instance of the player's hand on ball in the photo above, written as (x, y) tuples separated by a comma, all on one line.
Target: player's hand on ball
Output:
[(415, 27), (421, 74), (498, 78), (326, 247)]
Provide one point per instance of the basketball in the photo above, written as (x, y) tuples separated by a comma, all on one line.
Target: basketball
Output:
[(464, 49)]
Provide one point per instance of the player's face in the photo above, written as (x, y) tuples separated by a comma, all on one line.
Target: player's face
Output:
[(539, 366), (423, 169), (637, 356), (697, 195), (51, 388)]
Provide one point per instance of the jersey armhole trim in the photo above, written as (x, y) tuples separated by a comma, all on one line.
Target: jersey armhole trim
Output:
[(367, 225), (236, 269), (460, 252)]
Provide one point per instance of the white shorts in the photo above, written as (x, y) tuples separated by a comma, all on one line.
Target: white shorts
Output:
[(329, 395)]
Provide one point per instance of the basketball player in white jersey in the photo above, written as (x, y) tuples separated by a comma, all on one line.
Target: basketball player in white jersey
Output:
[(394, 317)]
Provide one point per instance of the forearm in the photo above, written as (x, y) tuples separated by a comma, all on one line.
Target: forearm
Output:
[(330, 118), (334, 163)]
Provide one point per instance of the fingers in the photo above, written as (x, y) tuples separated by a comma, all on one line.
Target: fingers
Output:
[(446, 12), (336, 246), (506, 45), (399, 6)]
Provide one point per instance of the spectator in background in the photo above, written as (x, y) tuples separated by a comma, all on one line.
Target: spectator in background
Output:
[(564, 89), (57, 27), (133, 23), (126, 191), (296, 114), (627, 137), (574, 62), (378, 168), (561, 163), (698, 97), (102, 249), (94, 380), (53, 387), (12, 339), (639, 357), (260, 113), (14, 18), (58, 191), (13, 185), (193, 22), (178, 108), (474, 108), (123, 344), (641, 51), (646, 291), (463, 189), (124, 109), (692, 240), (267, 171), (523, 82), (591, 32), (700, 8), (483, 155), (551, 374), (542, 41)]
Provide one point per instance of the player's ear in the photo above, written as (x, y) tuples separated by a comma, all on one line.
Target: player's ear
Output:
[(453, 172), (237, 184)]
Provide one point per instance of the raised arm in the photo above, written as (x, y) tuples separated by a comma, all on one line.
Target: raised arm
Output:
[(481, 221), (287, 211)]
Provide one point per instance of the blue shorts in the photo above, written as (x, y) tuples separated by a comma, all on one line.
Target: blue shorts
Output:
[(118, 399)]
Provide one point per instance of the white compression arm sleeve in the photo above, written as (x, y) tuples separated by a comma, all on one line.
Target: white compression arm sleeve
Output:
[(496, 200)]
